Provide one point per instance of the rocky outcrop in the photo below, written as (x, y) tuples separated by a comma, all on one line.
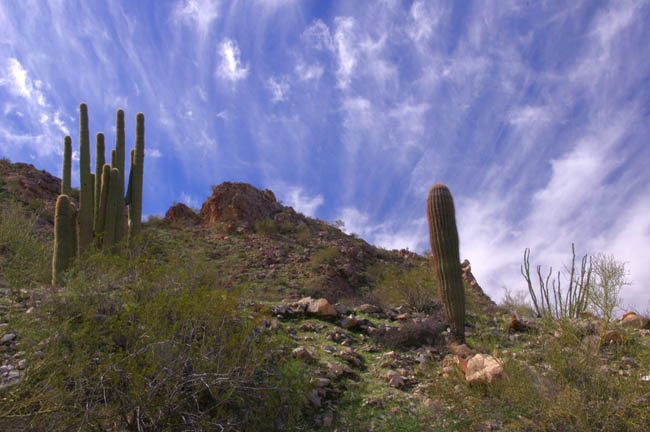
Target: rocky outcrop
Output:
[(239, 205), (180, 213)]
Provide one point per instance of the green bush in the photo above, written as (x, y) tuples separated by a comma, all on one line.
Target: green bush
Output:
[(415, 287), (152, 342), (324, 256), (25, 252)]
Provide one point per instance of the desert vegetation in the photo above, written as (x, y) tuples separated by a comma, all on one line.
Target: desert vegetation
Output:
[(217, 320)]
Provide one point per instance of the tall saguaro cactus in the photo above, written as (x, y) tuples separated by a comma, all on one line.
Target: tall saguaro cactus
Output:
[(100, 160), (66, 175), (65, 239), (137, 169), (111, 210), (103, 200), (86, 204), (120, 221), (443, 237)]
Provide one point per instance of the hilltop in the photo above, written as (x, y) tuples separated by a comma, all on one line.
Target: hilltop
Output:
[(315, 329)]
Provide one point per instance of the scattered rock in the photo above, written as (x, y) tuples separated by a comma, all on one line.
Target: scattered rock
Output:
[(7, 338), (516, 325), (321, 308), (460, 350), (349, 322), (368, 309), (633, 320), (483, 368), (612, 336), (301, 353)]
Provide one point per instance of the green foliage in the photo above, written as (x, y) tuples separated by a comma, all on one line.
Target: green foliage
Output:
[(149, 341), (517, 303), (443, 238), (25, 254), (267, 227), (415, 287), (569, 304), (65, 238), (324, 256), (303, 233)]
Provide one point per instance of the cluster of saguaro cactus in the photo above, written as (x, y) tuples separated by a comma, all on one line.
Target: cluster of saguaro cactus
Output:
[(443, 236), (101, 217)]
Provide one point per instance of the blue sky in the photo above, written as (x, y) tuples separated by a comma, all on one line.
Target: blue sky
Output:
[(535, 114)]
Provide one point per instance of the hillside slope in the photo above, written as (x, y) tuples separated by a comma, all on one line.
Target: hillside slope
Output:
[(316, 330)]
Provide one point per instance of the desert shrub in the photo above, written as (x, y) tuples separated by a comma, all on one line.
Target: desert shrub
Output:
[(146, 341), (25, 253), (323, 256), (303, 233), (412, 334), (267, 227), (565, 387), (517, 303), (415, 287)]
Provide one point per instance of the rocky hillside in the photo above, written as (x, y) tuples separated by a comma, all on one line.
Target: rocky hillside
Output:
[(359, 327)]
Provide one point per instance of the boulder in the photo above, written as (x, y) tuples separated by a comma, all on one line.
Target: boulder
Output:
[(633, 320), (321, 308), (483, 368), (180, 213), (368, 309)]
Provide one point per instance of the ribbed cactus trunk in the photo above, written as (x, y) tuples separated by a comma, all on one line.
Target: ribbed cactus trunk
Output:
[(445, 257), (135, 207), (86, 204), (111, 210), (120, 221), (100, 160), (103, 200), (66, 175), (65, 239)]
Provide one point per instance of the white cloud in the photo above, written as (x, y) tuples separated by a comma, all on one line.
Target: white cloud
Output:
[(153, 153), (346, 49), (19, 82), (199, 13), (296, 197), (318, 35), (309, 72), (230, 67), (190, 201), (278, 88)]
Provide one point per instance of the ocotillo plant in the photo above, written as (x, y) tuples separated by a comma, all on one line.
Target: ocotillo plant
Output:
[(100, 160), (86, 204), (135, 206), (66, 188), (65, 239), (443, 237)]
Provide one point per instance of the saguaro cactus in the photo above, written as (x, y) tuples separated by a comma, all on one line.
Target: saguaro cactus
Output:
[(443, 236), (66, 175), (100, 160), (86, 204), (65, 241), (120, 221), (103, 200), (135, 206), (111, 210)]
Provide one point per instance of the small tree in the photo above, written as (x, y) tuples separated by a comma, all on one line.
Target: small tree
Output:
[(610, 276)]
